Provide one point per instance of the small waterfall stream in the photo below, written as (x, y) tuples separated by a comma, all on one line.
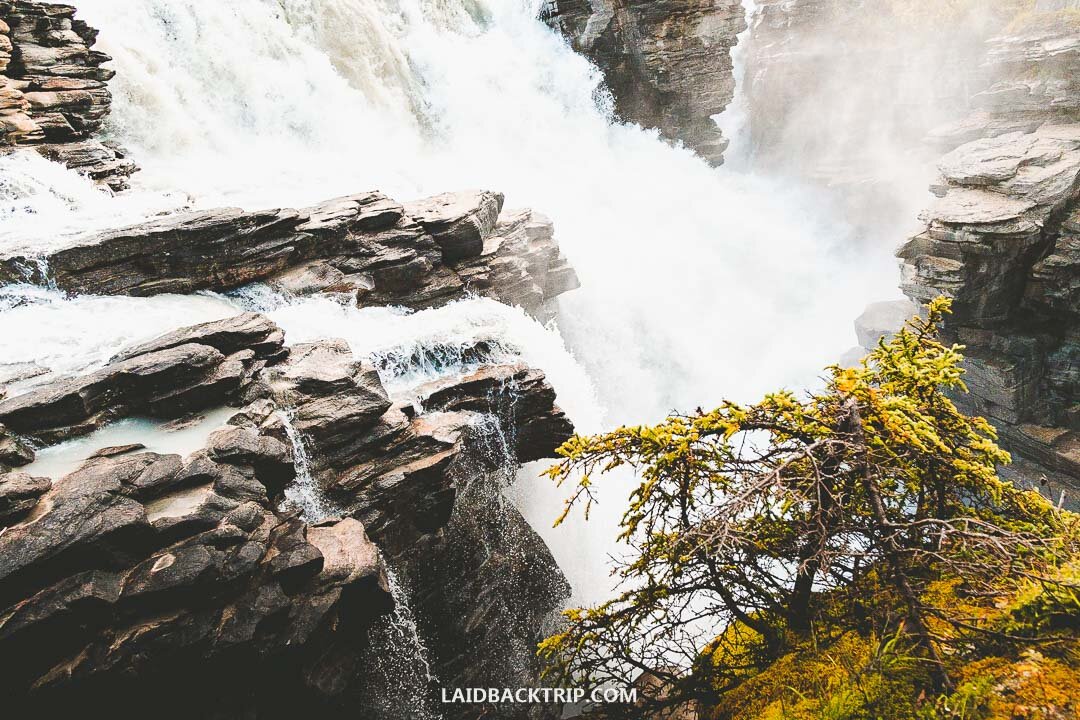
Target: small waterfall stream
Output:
[(304, 494), (398, 658)]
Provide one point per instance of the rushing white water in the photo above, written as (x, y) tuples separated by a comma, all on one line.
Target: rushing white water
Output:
[(81, 334), (698, 284)]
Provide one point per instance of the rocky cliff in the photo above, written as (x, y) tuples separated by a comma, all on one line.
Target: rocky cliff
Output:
[(53, 92), (329, 550), (807, 73), (1003, 239), (138, 570), (667, 62), (843, 94), (422, 479), (376, 250)]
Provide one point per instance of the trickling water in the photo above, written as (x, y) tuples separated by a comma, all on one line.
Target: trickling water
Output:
[(35, 271), (396, 661), (304, 493)]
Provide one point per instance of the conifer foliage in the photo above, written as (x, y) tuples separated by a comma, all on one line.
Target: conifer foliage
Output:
[(757, 529)]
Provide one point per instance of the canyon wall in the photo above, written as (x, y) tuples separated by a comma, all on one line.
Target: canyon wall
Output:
[(1003, 239), (667, 63), (838, 89), (843, 96)]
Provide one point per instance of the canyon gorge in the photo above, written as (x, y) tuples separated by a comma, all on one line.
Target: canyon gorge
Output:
[(299, 298)]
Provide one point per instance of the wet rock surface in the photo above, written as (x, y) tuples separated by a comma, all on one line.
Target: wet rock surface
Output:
[(140, 569), (181, 373), (253, 577), (53, 90), (667, 62), (364, 245), (133, 574)]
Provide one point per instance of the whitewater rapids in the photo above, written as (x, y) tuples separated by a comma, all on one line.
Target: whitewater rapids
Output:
[(697, 284)]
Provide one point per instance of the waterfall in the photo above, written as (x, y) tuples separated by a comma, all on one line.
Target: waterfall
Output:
[(304, 493), (396, 662), (420, 96), (697, 284)]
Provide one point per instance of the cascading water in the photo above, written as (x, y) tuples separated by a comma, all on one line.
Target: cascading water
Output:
[(304, 494), (698, 284), (397, 660)]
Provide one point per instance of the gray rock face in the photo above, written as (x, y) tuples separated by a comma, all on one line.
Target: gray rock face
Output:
[(172, 376), (53, 92), (519, 394), (459, 222), (1002, 240), (140, 568), (246, 331), (427, 484), (112, 586), (365, 245), (14, 451), (1033, 69), (332, 396), (667, 62), (19, 494), (812, 110)]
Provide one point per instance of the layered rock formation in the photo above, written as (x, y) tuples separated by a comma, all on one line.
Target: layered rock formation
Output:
[(842, 94), (53, 93), (139, 571), (428, 486), (667, 62), (365, 245), (1032, 73), (262, 574), (167, 378), (1003, 240)]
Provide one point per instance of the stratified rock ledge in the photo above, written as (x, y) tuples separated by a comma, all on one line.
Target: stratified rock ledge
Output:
[(141, 570), (364, 245)]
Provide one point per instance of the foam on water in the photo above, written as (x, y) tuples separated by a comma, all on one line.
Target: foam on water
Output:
[(698, 284), (77, 335)]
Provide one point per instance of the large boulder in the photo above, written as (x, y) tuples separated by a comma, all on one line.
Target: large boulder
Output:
[(459, 222)]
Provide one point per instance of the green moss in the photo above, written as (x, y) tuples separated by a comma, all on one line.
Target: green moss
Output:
[(851, 678), (859, 676)]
